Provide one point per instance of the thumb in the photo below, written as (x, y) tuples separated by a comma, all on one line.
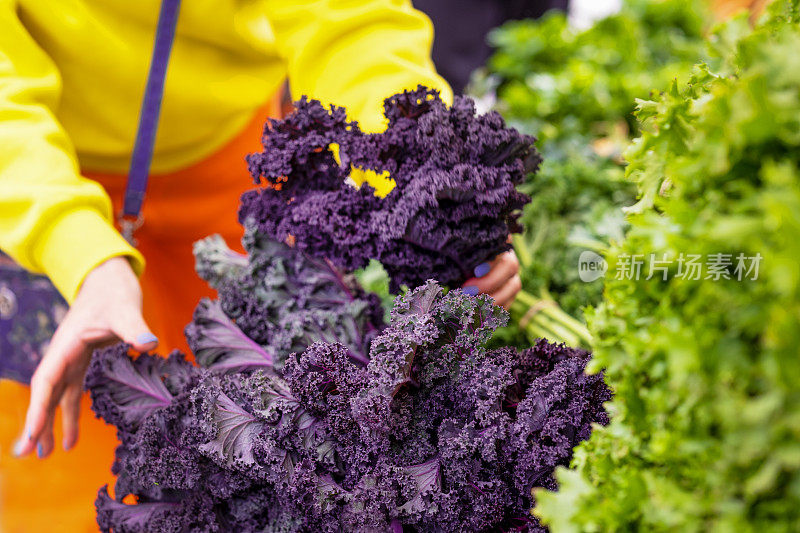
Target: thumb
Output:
[(132, 329)]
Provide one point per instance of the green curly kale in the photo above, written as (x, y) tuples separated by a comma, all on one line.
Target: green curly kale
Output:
[(705, 432), (575, 90), (560, 81)]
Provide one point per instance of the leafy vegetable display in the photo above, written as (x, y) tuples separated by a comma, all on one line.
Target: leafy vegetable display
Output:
[(706, 371), (453, 201), (575, 90), (435, 433)]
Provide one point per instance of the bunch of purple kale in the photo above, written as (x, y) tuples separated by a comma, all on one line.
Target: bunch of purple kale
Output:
[(435, 433), (453, 205), (308, 413)]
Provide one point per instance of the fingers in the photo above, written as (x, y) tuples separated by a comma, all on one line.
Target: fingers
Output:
[(492, 278), (70, 413), (108, 306), (46, 389), (47, 385), (131, 328), (59, 376), (505, 296), (46, 442)]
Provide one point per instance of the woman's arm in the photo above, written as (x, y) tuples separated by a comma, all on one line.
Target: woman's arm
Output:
[(54, 221)]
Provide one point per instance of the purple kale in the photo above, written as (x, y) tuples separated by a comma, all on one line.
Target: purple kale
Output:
[(219, 345), (236, 429), (273, 302), (434, 432), (555, 413), (216, 263), (320, 370), (308, 412), (301, 148), (453, 205), (428, 480), (125, 392), (193, 514)]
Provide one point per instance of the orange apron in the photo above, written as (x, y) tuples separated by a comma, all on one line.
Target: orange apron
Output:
[(58, 493)]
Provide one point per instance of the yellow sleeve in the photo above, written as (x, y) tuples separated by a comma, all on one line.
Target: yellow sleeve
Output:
[(52, 220), (355, 53)]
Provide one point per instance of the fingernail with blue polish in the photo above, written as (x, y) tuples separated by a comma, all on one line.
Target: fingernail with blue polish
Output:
[(18, 448), (482, 269), (472, 290), (146, 338), (39, 450)]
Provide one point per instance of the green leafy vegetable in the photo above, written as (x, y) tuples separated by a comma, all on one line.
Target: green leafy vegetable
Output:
[(575, 90), (705, 432)]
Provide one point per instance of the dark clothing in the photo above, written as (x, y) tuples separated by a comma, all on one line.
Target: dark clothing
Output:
[(460, 28)]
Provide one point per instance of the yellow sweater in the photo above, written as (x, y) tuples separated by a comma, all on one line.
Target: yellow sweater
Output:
[(72, 76)]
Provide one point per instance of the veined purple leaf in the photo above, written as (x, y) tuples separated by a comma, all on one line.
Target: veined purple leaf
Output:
[(427, 477), (278, 405), (122, 517), (236, 431), (314, 440), (219, 344), (125, 391), (275, 389), (421, 302)]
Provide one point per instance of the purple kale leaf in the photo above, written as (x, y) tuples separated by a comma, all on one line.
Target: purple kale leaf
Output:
[(154, 517), (555, 413), (301, 144), (426, 475), (236, 431), (216, 263), (218, 343), (127, 517), (278, 302), (126, 391)]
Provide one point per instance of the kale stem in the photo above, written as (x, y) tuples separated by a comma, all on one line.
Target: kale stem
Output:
[(339, 279)]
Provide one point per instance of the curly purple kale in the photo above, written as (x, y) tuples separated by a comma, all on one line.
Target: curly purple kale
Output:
[(453, 205), (272, 302), (435, 432)]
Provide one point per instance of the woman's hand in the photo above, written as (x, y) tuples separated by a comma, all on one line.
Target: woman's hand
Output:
[(498, 278), (108, 308)]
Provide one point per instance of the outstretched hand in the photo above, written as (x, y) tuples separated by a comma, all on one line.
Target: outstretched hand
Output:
[(498, 278), (108, 308)]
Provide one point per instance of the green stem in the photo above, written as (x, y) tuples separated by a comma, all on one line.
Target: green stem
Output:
[(522, 250), (574, 324), (533, 329), (551, 317), (564, 334)]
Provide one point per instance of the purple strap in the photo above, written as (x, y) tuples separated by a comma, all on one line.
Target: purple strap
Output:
[(148, 117)]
